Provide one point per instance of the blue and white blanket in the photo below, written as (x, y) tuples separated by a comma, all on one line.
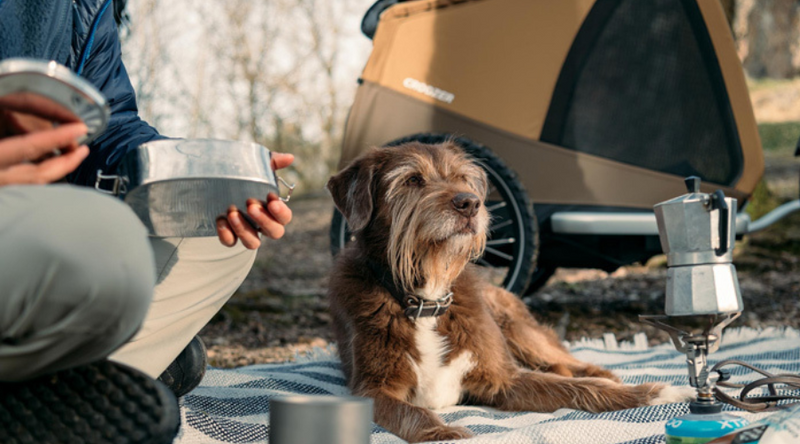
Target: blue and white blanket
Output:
[(233, 405)]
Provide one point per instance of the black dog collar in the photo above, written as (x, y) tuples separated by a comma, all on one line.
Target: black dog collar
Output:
[(414, 306)]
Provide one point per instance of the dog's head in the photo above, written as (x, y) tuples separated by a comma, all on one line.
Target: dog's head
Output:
[(425, 200)]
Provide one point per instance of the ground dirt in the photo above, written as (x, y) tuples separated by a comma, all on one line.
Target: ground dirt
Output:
[(776, 100)]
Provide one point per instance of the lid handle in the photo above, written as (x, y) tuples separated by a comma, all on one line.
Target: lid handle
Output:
[(692, 184), (119, 184)]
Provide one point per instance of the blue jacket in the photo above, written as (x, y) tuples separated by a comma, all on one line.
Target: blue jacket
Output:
[(82, 35)]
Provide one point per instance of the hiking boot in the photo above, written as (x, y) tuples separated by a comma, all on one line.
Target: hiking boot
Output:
[(101, 402), (187, 370)]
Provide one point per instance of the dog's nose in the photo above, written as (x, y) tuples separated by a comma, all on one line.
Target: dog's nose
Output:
[(466, 204)]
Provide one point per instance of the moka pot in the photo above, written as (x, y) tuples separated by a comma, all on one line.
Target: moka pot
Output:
[(697, 232)]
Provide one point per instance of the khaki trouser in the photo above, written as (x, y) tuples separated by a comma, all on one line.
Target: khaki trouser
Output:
[(79, 276)]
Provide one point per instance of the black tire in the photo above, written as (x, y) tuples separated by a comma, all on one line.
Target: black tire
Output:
[(340, 232), (513, 239), (539, 277)]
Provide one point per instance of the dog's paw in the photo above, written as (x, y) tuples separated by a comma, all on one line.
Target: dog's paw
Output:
[(444, 433), (670, 394)]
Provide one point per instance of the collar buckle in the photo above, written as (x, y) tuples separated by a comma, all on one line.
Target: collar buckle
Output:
[(420, 308)]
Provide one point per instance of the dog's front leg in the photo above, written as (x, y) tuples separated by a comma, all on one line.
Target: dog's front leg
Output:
[(412, 423), (547, 392)]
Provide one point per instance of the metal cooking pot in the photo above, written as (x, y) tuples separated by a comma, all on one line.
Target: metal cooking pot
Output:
[(180, 187)]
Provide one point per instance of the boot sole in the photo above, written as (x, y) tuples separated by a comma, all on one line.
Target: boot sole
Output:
[(101, 402)]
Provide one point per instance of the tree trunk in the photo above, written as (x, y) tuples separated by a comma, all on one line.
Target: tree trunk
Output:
[(767, 36)]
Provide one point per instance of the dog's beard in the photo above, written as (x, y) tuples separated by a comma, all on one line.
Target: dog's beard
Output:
[(429, 242)]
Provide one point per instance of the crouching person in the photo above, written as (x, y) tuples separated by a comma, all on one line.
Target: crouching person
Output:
[(76, 281), (92, 309), (98, 321)]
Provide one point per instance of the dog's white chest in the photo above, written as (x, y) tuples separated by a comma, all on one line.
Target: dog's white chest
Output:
[(438, 385)]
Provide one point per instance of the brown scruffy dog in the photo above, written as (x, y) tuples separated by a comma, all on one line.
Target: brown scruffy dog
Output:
[(417, 329)]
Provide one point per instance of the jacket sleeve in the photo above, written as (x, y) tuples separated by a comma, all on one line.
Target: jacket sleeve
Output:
[(101, 64)]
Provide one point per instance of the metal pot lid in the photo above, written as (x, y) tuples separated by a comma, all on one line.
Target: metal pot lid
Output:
[(50, 90), (693, 195)]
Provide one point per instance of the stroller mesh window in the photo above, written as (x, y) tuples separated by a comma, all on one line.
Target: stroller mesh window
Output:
[(648, 92)]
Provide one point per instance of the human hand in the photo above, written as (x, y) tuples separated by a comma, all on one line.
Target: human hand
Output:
[(24, 112), (270, 216), (23, 158)]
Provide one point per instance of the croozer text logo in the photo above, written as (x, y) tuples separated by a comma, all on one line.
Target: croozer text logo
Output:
[(428, 90)]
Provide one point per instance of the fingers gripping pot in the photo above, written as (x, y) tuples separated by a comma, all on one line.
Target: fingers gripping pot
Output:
[(50, 91), (180, 187)]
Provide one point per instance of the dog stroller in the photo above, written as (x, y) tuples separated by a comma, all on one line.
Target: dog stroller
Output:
[(584, 113)]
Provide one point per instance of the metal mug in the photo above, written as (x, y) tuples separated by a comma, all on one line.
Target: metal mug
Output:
[(305, 419)]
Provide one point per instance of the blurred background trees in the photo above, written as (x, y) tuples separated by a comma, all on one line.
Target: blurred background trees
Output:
[(283, 72), (277, 72), (767, 34)]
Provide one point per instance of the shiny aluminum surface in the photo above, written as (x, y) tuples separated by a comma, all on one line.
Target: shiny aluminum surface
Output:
[(689, 231), (320, 419), (704, 289), (698, 240), (180, 187)]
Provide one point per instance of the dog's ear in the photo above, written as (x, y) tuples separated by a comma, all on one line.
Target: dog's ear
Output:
[(352, 190)]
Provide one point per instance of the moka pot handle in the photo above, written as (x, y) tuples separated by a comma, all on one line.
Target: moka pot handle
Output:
[(718, 203)]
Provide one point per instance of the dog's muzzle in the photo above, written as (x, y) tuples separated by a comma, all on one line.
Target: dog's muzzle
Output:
[(416, 307)]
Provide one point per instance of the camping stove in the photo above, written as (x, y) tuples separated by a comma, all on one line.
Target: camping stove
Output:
[(697, 232), (696, 347)]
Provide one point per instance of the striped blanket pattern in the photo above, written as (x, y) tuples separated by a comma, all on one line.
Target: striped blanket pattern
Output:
[(232, 406)]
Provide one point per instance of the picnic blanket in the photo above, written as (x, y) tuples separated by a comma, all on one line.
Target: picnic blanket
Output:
[(233, 405)]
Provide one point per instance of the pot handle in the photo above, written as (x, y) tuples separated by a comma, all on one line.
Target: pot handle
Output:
[(290, 187), (718, 203), (119, 184)]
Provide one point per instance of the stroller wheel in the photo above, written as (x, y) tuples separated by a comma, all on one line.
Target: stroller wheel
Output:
[(512, 246), (539, 277), (340, 232)]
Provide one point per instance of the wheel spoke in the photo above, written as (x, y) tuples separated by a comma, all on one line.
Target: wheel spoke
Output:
[(499, 254), (484, 263), (505, 241), (501, 225), (496, 206)]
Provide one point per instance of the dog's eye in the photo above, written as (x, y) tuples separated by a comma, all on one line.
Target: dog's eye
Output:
[(415, 181)]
